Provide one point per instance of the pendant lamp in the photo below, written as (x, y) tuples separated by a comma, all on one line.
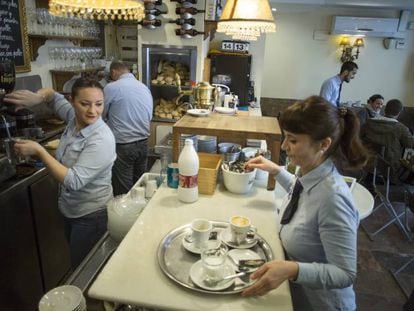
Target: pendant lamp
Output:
[(246, 19), (98, 9)]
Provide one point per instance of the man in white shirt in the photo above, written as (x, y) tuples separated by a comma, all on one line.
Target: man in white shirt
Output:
[(331, 88)]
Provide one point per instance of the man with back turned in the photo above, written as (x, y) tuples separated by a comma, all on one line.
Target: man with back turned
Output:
[(331, 88), (128, 110)]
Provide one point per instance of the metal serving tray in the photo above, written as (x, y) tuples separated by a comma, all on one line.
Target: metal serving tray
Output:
[(175, 261)]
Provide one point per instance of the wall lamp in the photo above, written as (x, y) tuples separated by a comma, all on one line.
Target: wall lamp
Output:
[(347, 48)]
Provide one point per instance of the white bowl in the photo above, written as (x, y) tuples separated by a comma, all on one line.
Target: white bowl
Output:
[(239, 183)]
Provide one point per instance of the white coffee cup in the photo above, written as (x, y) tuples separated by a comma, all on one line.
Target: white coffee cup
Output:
[(200, 231), (240, 226), (213, 257)]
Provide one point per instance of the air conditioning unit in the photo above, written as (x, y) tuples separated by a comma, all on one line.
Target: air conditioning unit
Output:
[(366, 26)]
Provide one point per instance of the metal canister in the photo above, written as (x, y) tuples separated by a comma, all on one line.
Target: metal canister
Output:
[(172, 175)]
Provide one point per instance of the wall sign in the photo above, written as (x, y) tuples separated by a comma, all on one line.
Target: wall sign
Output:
[(235, 46), (14, 43)]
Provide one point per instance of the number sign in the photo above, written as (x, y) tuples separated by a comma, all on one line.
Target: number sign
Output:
[(235, 46)]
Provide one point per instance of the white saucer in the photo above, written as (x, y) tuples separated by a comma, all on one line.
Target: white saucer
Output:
[(242, 254), (198, 112), (225, 110), (192, 248), (198, 275), (225, 236)]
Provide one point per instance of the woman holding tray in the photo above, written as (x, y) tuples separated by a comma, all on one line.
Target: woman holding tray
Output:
[(318, 221)]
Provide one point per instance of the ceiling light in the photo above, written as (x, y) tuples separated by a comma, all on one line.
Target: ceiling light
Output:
[(246, 19), (98, 9)]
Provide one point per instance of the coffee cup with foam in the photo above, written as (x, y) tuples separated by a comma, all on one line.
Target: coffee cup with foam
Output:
[(240, 228)]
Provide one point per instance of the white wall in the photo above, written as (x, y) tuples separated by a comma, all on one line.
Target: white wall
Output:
[(295, 64)]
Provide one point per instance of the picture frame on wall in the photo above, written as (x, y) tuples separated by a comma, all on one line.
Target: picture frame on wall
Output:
[(14, 42)]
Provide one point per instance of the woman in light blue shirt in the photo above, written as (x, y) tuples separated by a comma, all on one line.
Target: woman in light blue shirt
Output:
[(318, 221), (83, 161)]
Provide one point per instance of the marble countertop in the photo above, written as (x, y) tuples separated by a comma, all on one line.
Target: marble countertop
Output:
[(132, 274)]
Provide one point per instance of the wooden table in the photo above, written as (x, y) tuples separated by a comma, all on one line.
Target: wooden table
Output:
[(232, 128)]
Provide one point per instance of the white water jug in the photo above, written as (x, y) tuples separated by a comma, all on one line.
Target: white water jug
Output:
[(123, 211)]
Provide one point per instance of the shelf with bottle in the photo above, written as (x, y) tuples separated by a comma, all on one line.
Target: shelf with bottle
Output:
[(188, 33), (61, 76)]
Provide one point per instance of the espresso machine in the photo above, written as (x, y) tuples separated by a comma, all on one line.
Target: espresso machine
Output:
[(7, 123), (205, 95)]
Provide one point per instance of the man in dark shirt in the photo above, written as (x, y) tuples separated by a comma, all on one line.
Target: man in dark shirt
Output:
[(387, 131)]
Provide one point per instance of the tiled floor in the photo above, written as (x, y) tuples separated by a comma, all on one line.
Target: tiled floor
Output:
[(376, 288)]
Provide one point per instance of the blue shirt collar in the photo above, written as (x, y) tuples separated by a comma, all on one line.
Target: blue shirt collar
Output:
[(316, 175), (126, 75), (88, 130), (338, 79)]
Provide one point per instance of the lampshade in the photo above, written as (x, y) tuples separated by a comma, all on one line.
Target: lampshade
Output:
[(246, 19), (344, 41), (99, 9), (359, 42)]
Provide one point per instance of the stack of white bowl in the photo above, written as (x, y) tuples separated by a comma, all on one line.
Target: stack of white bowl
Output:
[(63, 298), (207, 144)]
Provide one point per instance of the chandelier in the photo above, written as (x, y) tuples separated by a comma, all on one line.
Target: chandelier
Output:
[(246, 19), (98, 9)]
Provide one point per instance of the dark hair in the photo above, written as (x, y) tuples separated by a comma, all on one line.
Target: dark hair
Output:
[(319, 119), (118, 65), (348, 66), (393, 107), (374, 98), (82, 83)]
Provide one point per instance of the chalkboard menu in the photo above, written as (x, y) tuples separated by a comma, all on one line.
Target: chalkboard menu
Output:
[(13, 34)]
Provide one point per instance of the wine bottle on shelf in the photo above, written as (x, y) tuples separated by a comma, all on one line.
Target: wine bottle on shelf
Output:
[(155, 2), (152, 23), (192, 11), (182, 21), (182, 1), (155, 12), (188, 33)]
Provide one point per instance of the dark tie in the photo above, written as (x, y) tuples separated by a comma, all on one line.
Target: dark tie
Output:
[(338, 100), (293, 203)]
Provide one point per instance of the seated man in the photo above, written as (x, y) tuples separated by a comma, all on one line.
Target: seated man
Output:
[(387, 131), (372, 109)]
